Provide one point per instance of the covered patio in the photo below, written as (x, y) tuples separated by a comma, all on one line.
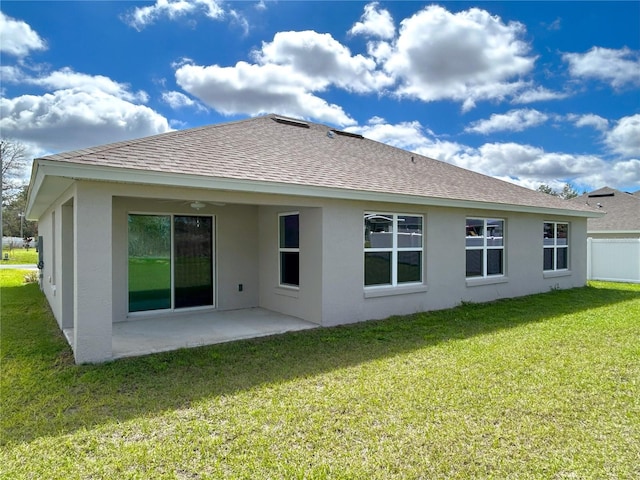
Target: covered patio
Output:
[(160, 333)]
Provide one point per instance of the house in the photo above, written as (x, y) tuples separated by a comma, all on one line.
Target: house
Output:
[(285, 216), (613, 239)]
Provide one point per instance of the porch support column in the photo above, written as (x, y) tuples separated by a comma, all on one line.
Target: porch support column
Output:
[(92, 319)]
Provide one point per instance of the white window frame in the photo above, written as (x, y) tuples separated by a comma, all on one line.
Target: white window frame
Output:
[(555, 246), (282, 250), (394, 249), (485, 248)]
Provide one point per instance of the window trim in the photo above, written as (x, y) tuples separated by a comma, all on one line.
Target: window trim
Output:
[(282, 250), (485, 248), (555, 247), (394, 249)]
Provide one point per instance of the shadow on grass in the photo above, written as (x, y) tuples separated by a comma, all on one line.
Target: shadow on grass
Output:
[(45, 394)]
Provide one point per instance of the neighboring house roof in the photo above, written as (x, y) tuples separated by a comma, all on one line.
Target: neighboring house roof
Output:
[(622, 210), (274, 154)]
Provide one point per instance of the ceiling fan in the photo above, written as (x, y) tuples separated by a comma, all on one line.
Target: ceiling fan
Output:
[(197, 204)]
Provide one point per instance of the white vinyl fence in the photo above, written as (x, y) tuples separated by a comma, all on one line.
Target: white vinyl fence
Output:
[(613, 259)]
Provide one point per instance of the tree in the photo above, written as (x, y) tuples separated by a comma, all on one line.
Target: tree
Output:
[(544, 188), (13, 161), (15, 225), (566, 193)]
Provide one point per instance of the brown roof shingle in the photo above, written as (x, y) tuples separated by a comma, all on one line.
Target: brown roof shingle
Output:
[(622, 210), (264, 149)]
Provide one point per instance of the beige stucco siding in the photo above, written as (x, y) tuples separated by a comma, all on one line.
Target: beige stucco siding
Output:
[(345, 299), (306, 301), (236, 255), (85, 274)]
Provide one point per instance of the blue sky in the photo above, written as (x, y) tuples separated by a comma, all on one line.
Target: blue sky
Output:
[(530, 92)]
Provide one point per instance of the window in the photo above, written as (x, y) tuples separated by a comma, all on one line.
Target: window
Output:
[(485, 247), (392, 249), (556, 246), (289, 248)]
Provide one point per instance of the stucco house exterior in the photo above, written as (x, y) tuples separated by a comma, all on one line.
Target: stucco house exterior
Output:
[(613, 240), (287, 216)]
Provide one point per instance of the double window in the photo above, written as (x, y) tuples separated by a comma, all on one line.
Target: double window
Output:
[(289, 249), (485, 247), (393, 249), (556, 246)]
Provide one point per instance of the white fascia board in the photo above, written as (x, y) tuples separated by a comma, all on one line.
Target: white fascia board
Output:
[(37, 177), (124, 175)]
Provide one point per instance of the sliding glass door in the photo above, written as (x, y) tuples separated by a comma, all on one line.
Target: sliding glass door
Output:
[(193, 255), (171, 262), (149, 262)]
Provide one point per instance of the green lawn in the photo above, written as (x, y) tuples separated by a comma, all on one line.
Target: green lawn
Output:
[(546, 386), (20, 256)]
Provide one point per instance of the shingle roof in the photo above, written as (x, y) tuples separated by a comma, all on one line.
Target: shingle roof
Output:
[(275, 149), (622, 210)]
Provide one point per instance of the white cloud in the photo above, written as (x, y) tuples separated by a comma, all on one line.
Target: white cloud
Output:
[(466, 56), (407, 135), (323, 60), (256, 89), (288, 73), (513, 121), (410, 136), (71, 118), (240, 20), (624, 138), (538, 94), (80, 110), (524, 165), (375, 22), (18, 38), (178, 100), (67, 78), (142, 17), (531, 166), (616, 67), (555, 25), (10, 74), (589, 120)]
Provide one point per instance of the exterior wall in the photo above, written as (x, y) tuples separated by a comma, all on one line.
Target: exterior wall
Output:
[(85, 273), (305, 302), (92, 272), (236, 244), (614, 259), (47, 273), (53, 227), (345, 300)]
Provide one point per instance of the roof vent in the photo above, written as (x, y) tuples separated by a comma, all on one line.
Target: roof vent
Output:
[(598, 195), (347, 134), (290, 121)]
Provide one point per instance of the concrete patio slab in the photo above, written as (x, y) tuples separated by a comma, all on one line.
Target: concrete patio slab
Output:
[(142, 336), (158, 334)]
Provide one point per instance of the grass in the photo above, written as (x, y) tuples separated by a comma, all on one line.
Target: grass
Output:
[(20, 256), (546, 386)]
